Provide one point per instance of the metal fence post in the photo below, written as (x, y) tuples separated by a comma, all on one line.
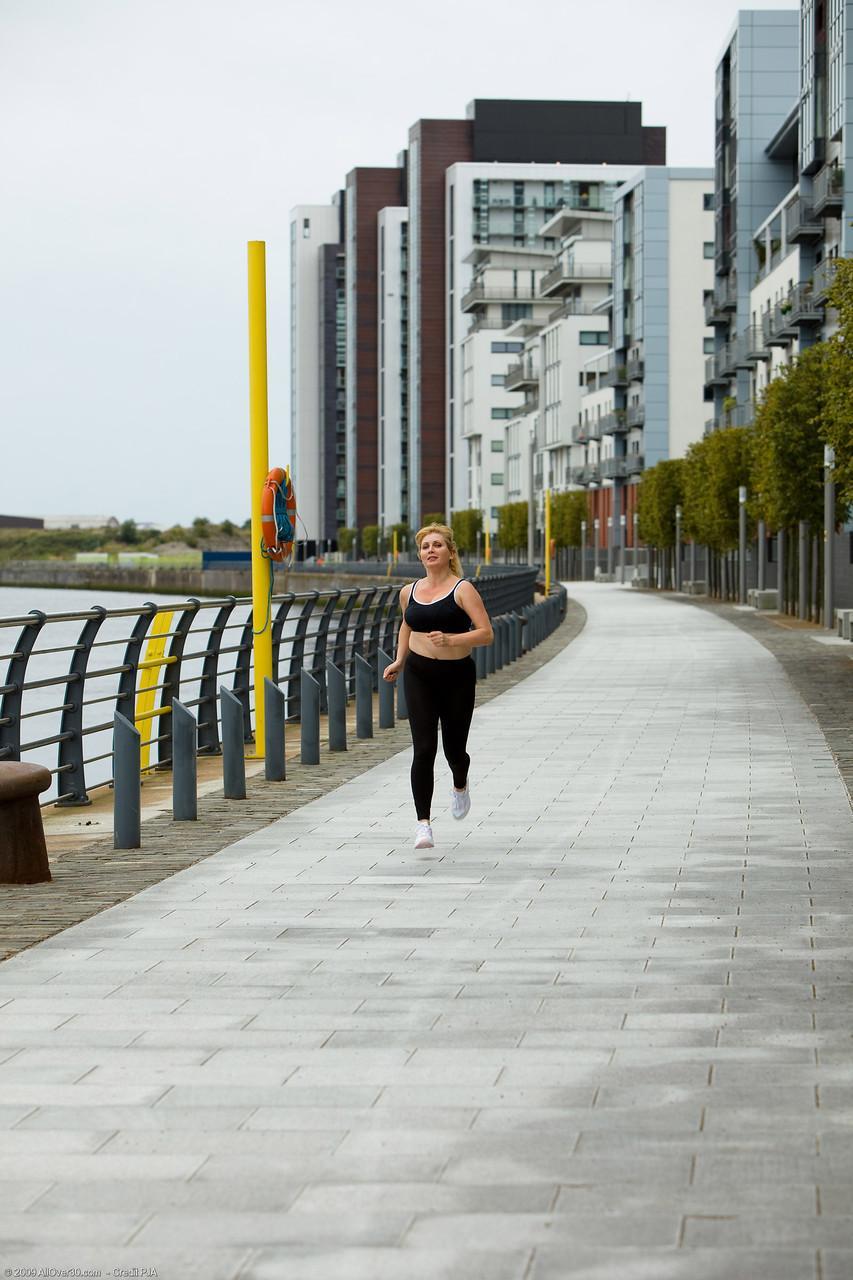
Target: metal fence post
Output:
[(386, 692), (402, 707), (336, 692), (71, 781), (208, 725), (275, 713), (309, 717), (172, 678), (184, 764), (127, 803), (363, 697), (233, 759)]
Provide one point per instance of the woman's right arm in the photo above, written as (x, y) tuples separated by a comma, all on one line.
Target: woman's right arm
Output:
[(394, 668)]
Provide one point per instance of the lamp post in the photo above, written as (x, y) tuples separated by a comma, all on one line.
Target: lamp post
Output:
[(828, 535), (678, 548), (596, 526), (761, 534), (635, 520), (583, 550), (610, 546), (741, 590), (623, 521)]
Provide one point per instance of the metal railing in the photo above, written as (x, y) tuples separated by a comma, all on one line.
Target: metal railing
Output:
[(64, 676), (828, 189), (572, 272)]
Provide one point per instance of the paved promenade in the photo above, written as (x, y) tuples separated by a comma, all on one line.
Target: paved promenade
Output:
[(602, 1030)]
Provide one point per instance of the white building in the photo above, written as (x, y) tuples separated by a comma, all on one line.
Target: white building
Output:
[(393, 393), (505, 207), (311, 228)]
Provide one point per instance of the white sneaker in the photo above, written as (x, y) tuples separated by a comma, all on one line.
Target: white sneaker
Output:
[(423, 836), (460, 802)]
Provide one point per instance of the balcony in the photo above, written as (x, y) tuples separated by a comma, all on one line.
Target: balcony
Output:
[(636, 370), (636, 415), (805, 308), (754, 346), (592, 472), (802, 223), (480, 295), (580, 433), (595, 428), (578, 475), (614, 423), (612, 468), (520, 375), (568, 274), (824, 273), (714, 375), (778, 326), (616, 375), (828, 191), (634, 462)]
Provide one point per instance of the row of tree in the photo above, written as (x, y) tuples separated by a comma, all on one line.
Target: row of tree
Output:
[(779, 459)]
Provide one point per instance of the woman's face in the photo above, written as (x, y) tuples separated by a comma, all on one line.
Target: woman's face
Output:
[(435, 553)]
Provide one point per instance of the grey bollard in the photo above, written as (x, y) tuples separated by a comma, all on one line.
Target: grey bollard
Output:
[(309, 717), (127, 803), (491, 666), (363, 697), (516, 625), (275, 705), (386, 692), (336, 694), (500, 636), (184, 764), (402, 706), (233, 759), (480, 662)]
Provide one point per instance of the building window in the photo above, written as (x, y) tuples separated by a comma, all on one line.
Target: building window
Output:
[(707, 200), (593, 338), (306, 228), (708, 346), (497, 379), (506, 348), (708, 249), (494, 513), (497, 477), (497, 446), (500, 414)]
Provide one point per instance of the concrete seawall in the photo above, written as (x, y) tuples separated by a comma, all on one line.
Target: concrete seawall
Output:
[(187, 582)]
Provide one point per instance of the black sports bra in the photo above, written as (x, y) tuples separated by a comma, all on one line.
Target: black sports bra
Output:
[(440, 615)]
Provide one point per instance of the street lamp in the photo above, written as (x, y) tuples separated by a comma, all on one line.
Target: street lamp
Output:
[(596, 525), (741, 497), (583, 550), (610, 546), (635, 520), (678, 548), (828, 535), (623, 521)]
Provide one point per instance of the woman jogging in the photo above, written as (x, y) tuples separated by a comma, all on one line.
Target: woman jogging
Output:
[(444, 618)]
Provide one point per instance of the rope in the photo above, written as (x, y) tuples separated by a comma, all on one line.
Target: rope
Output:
[(268, 618)]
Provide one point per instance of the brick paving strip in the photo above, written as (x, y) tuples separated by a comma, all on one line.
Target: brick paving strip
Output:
[(90, 879)]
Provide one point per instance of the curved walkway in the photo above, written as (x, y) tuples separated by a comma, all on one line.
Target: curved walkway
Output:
[(602, 1030)]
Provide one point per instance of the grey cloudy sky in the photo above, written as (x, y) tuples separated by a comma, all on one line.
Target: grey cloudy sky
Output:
[(145, 141)]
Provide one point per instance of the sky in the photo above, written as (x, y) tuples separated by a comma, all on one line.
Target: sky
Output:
[(144, 142)]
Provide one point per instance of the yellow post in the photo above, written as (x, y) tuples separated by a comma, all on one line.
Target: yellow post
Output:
[(547, 542), (488, 544), (395, 552), (258, 468)]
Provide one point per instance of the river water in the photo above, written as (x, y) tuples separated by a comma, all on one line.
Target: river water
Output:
[(41, 714)]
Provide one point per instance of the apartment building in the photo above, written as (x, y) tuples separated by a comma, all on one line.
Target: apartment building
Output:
[(315, 230), (644, 398), (393, 444)]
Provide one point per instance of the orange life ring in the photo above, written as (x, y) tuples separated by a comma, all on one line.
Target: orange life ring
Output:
[(278, 515)]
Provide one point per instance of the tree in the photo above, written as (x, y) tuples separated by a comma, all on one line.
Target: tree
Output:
[(466, 525), (370, 540), (512, 526), (402, 531), (714, 469), (347, 539), (567, 512), (661, 490), (787, 459), (838, 371), (227, 528), (128, 532), (435, 517)]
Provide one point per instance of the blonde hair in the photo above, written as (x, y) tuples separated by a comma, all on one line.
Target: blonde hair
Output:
[(444, 531)]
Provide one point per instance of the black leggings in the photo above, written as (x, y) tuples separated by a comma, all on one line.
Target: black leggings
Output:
[(438, 690)]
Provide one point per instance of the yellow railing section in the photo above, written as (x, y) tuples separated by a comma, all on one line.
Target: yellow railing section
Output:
[(149, 678)]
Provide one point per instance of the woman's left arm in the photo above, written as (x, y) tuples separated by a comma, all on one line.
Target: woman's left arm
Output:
[(471, 601)]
